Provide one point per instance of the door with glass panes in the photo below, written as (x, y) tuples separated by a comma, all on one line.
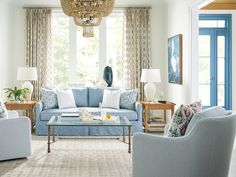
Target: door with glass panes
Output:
[(214, 72)]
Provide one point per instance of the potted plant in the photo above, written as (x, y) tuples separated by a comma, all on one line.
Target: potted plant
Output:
[(15, 94)]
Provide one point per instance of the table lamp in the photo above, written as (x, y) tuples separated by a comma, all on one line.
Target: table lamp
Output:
[(27, 74), (150, 76)]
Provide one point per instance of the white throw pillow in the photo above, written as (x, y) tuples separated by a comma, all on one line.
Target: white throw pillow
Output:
[(111, 99), (65, 99), (3, 110)]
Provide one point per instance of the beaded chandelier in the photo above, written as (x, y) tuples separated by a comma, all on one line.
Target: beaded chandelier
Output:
[(87, 13)]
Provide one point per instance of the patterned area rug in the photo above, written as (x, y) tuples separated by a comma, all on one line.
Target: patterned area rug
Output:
[(93, 157)]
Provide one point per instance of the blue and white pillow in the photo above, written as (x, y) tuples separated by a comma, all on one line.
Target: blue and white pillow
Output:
[(49, 98), (128, 99), (3, 110)]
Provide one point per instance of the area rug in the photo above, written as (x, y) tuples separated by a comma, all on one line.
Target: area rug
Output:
[(83, 157)]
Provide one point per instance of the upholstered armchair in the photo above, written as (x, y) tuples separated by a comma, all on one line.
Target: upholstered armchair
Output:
[(205, 151), (15, 137)]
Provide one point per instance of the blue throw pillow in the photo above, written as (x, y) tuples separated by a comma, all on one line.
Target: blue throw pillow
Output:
[(128, 99), (49, 98)]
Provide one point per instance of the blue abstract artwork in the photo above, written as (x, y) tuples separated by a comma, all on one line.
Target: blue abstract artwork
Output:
[(175, 59)]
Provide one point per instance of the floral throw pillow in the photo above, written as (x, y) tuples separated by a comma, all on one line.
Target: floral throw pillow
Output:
[(182, 118), (3, 110)]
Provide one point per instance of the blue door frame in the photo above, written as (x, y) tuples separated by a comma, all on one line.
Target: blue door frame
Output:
[(214, 33)]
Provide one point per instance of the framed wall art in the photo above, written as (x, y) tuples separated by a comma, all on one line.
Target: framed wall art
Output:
[(175, 59)]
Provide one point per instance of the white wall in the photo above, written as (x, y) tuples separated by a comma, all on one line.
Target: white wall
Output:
[(4, 46), (17, 41), (178, 22), (158, 40), (233, 12)]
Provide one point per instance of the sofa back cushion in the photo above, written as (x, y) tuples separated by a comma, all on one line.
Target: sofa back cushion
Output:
[(49, 98), (213, 112), (81, 96), (95, 96)]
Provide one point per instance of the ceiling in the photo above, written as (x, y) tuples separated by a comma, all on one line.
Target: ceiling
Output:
[(119, 3), (225, 1), (221, 5)]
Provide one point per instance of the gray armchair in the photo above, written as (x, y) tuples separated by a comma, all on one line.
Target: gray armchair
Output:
[(205, 151)]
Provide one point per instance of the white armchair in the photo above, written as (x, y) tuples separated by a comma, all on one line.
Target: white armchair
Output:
[(15, 137), (205, 151)]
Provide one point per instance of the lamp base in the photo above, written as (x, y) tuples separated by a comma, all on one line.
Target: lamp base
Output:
[(29, 86), (150, 91)]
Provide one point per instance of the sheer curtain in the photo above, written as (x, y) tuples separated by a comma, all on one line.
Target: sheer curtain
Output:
[(38, 46), (136, 45)]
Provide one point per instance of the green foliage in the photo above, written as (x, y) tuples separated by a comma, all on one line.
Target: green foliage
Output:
[(16, 94)]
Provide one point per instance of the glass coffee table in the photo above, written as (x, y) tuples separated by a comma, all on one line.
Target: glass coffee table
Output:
[(67, 121)]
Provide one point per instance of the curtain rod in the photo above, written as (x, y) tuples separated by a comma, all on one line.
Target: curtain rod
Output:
[(40, 7)]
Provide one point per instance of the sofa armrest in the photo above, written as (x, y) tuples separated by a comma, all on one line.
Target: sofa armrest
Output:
[(12, 114), (38, 110), (139, 110)]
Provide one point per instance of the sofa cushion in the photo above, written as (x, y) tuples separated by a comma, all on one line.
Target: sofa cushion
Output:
[(181, 119), (49, 98), (213, 112), (81, 96), (95, 96), (47, 114), (128, 99)]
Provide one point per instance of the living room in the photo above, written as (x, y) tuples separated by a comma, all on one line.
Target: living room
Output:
[(99, 91)]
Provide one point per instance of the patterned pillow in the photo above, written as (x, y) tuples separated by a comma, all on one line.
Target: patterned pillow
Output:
[(49, 98), (182, 118), (128, 99), (3, 110)]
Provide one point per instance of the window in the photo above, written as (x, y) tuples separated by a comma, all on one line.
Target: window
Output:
[(114, 29), (215, 72), (60, 38), (87, 49), (79, 60)]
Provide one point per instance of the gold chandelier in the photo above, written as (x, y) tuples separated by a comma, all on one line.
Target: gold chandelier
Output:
[(87, 13)]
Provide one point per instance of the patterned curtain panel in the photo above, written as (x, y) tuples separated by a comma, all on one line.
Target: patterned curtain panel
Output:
[(38, 47), (136, 45)]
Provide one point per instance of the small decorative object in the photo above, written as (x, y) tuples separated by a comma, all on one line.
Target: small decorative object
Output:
[(150, 76), (108, 75), (108, 116), (27, 74), (87, 13), (16, 94), (175, 59), (161, 95)]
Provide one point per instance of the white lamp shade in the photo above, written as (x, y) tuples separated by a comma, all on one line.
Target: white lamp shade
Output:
[(151, 75), (27, 74)]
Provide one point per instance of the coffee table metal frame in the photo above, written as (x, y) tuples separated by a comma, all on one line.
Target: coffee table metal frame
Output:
[(54, 123)]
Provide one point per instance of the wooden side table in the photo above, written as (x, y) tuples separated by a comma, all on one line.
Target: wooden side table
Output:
[(148, 106), (23, 105)]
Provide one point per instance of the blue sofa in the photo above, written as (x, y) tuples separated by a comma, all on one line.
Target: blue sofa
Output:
[(87, 98)]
